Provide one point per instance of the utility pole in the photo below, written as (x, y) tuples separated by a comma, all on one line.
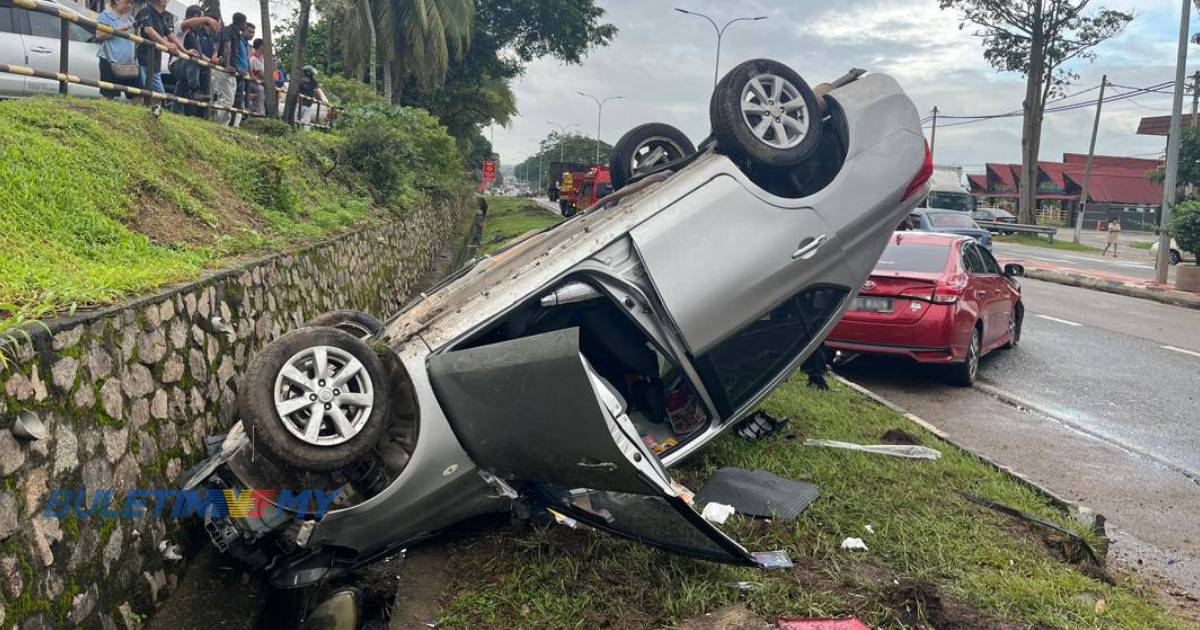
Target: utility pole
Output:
[(599, 112), (562, 134), (933, 133), (1087, 169), (540, 169), (720, 33), (1195, 96), (1164, 239)]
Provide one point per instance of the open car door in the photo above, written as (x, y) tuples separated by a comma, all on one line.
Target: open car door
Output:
[(533, 410)]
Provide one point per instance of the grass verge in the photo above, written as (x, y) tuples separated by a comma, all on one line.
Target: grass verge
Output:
[(935, 560), (510, 217), (1038, 241), (1139, 245)]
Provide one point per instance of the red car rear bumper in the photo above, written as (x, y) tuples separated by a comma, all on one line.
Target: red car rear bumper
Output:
[(932, 339)]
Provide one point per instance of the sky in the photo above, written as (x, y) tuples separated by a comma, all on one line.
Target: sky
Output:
[(661, 62)]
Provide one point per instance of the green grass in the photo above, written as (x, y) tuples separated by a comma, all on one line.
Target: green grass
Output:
[(1139, 245), (510, 217), (1041, 241), (101, 200), (989, 567)]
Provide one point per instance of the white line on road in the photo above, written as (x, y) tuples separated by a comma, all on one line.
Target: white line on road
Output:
[(1061, 321), (1181, 350)]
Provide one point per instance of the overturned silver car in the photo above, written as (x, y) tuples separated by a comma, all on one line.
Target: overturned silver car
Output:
[(567, 372)]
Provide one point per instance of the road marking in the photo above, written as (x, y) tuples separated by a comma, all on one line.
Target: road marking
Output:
[(1181, 351), (1061, 321)]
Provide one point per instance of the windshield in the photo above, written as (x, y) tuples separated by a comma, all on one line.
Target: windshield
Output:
[(919, 257), (947, 219), (949, 201)]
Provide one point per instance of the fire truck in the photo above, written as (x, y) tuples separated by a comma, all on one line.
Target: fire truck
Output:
[(581, 189)]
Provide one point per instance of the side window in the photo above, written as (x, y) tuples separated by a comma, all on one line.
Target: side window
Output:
[(972, 261), (989, 261), (42, 25), (6, 21), (739, 367), (586, 191)]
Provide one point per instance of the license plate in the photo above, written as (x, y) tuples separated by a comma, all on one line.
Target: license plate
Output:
[(872, 304)]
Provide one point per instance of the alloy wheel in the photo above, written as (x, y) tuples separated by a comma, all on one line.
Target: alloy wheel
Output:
[(323, 395), (973, 355), (653, 152), (774, 111)]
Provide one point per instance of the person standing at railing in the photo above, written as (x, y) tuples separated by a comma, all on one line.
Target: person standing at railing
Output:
[(306, 110), (198, 41), (157, 26), (118, 57), (241, 63), (257, 70), (225, 84)]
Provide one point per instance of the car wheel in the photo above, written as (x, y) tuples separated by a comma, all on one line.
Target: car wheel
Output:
[(645, 147), (963, 374), (762, 111), (356, 323), (1015, 319), (1175, 257), (315, 399)]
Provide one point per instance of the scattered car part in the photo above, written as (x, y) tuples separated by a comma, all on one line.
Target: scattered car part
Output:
[(357, 323), (778, 559), (854, 544), (718, 513), (821, 624), (763, 112), (315, 398), (759, 425), (646, 147), (906, 451), (1085, 552), (758, 493), (338, 611)]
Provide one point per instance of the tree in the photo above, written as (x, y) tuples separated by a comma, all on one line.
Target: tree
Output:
[(270, 96), (289, 110), (1185, 227), (1037, 38), (572, 147)]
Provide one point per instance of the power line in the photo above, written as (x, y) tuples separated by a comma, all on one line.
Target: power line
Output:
[(1120, 96)]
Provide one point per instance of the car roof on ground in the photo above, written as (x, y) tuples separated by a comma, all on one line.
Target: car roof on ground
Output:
[(916, 237)]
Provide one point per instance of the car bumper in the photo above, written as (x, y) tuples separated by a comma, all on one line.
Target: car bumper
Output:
[(921, 354)]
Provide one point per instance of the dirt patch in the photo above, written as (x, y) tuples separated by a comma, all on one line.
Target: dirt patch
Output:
[(164, 222), (900, 436), (214, 592), (423, 581), (920, 603), (727, 618)]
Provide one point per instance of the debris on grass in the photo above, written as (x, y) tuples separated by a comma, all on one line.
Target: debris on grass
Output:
[(1074, 548), (717, 512), (854, 544), (899, 436), (758, 493), (759, 425), (895, 450)]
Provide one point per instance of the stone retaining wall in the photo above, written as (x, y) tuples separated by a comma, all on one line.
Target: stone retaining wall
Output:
[(128, 394)]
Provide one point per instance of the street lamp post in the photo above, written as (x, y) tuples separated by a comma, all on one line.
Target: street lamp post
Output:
[(562, 132), (599, 110), (720, 30), (1164, 239)]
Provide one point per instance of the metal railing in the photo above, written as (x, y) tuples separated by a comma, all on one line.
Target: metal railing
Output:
[(65, 78), (1019, 228)]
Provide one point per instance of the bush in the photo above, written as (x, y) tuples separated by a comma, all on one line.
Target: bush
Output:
[(345, 92), (401, 151), (267, 127), (1185, 227)]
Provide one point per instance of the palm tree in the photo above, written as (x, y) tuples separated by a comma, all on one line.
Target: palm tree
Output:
[(414, 39)]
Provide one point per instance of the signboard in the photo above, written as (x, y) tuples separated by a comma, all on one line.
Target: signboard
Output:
[(489, 171)]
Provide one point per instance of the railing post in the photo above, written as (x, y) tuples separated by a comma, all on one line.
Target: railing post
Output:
[(317, 116), (63, 53)]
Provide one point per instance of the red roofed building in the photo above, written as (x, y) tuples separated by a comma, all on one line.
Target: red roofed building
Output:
[(1119, 186)]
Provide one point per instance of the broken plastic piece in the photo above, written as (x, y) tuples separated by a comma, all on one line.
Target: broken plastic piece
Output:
[(869, 529), (821, 624), (895, 450), (169, 550), (777, 559), (759, 425), (717, 513), (563, 519), (854, 544), (758, 493)]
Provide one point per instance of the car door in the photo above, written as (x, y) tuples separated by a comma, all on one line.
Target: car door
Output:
[(42, 45), (12, 51), (1002, 297), (983, 290), (532, 411)]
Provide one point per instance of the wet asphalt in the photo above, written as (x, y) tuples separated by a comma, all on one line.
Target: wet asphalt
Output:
[(1132, 262), (1108, 415)]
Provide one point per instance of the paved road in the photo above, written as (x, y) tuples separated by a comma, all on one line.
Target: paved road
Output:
[(1111, 417), (1132, 262)]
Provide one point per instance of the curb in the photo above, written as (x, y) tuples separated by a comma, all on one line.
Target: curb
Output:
[(1128, 289), (1071, 509)]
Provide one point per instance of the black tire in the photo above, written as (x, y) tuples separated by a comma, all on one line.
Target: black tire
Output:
[(645, 147), (357, 323), (963, 374), (1174, 257), (1015, 320), (552, 194), (733, 128), (257, 405)]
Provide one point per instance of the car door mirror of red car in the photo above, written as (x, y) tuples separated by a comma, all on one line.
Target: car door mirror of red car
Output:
[(1013, 270)]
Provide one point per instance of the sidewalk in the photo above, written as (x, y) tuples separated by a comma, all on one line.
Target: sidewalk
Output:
[(1119, 284)]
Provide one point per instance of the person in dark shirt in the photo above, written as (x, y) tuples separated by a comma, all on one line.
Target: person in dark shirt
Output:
[(306, 108), (157, 25), (198, 41), (224, 83)]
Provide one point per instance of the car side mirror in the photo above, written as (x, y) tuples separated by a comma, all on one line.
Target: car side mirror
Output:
[(1013, 270)]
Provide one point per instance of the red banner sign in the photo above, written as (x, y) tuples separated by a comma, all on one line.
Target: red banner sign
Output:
[(489, 171)]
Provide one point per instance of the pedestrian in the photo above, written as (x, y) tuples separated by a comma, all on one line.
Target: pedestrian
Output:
[(306, 108), (192, 79), (225, 83), (241, 63), (118, 57), (1114, 234), (258, 71), (157, 25)]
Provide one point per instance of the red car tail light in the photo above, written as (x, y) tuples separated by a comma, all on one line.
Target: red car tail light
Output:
[(918, 182), (949, 290)]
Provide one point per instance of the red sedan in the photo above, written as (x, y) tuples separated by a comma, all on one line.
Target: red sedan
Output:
[(934, 298)]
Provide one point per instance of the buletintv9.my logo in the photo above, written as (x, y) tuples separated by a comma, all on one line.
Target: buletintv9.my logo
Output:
[(176, 503)]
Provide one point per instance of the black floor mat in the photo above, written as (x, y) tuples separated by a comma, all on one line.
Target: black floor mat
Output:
[(758, 493)]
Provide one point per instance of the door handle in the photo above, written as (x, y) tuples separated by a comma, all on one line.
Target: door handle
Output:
[(809, 246), (40, 50)]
